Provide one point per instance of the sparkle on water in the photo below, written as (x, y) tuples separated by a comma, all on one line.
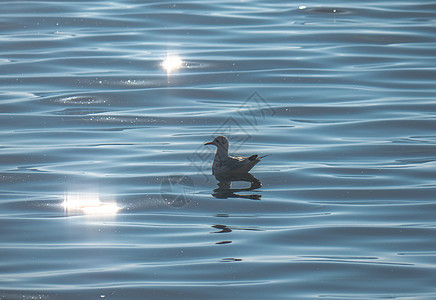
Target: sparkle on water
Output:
[(172, 63)]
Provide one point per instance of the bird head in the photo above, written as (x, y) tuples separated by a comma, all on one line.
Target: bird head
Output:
[(219, 141)]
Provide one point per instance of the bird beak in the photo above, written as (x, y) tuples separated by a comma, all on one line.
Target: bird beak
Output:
[(209, 143)]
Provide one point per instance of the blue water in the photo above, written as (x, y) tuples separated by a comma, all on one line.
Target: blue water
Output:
[(106, 189)]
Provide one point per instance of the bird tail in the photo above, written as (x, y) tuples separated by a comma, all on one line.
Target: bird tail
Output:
[(260, 157)]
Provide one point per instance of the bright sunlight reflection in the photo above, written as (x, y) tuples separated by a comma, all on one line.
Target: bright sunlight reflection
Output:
[(171, 63), (88, 203)]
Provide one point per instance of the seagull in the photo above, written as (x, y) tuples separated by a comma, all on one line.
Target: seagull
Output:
[(225, 165)]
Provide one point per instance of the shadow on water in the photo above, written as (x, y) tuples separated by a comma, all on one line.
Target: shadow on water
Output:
[(225, 191)]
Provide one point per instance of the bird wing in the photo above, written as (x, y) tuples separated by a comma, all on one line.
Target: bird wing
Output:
[(235, 164), (238, 164)]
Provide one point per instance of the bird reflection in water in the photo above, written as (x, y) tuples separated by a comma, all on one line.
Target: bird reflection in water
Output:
[(222, 228), (225, 190)]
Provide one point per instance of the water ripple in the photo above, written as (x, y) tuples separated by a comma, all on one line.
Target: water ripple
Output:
[(341, 95)]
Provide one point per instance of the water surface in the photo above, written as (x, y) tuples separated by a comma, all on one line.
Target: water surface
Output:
[(106, 189)]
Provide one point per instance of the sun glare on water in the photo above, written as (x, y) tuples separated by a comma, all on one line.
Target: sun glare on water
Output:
[(88, 203), (172, 63)]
